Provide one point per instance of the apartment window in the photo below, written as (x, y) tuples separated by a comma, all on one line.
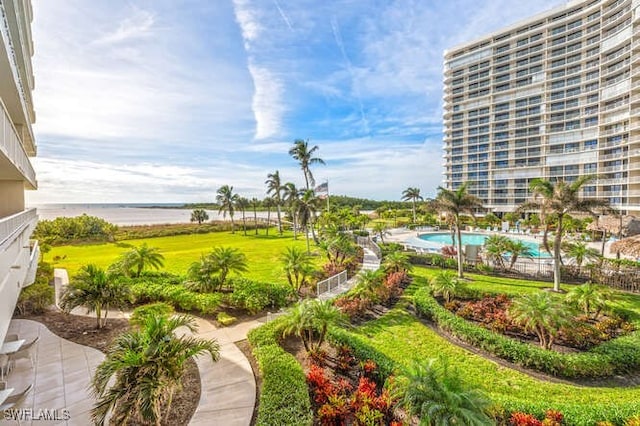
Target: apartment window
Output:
[(502, 164), (593, 74), (502, 48), (592, 98), (590, 168), (557, 84), (502, 87), (503, 58), (557, 106), (573, 92), (593, 51), (557, 63), (522, 62), (522, 42), (558, 30), (502, 116), (502, 68), (535, 58)]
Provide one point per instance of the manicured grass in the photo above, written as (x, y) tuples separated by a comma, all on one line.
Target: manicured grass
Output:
[(180, 251), (403, 338)]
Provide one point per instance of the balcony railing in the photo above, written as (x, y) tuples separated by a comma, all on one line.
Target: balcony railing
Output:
[(33, 264), (12, 225), (12, 148)]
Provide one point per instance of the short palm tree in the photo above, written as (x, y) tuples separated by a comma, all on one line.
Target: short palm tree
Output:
[(96, 290), (297, 266), (413, 195), (590, 298), (580, 252), (367, 283), (396, 261), (516, 249), (496, 248), (447, 285), (555, 200), (199, 215), (275, 190), (226, 260), (380, 229), (305, 157), (226, 200), (203, 275), (540, 313), (310, 320), (143, 370), (140, 258), (439, 397), (454, 204)]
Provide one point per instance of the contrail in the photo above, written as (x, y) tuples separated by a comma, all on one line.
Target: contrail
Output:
[(285, 18)]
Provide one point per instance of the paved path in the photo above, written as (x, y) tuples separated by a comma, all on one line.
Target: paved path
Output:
[(60, 376), (370, 262)]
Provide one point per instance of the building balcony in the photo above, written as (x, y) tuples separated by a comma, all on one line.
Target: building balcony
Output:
[(14, 225), (14, 162), (34, 258)]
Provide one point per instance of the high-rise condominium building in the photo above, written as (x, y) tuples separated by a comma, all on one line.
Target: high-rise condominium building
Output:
[(18, 255), (556, 96)]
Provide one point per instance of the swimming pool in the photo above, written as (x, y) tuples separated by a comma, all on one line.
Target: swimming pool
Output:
[(478, 239)]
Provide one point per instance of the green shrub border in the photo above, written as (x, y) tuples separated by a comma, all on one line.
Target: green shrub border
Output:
[(284, 399), (617, 356)]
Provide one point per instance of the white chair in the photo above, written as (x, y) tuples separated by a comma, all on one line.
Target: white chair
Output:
[(26, 351), (4, 366), (10, 338), (14, 400)]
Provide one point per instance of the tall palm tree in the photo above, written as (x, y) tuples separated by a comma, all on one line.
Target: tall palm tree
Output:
[(254, 204), (291, 197), (540, 313), (413, 195), (269, 202), (305, 156), (226, 200), (143, 369), (308, 204), (275, 190), (242, 204), (140, 258), (96, 290), (454, 204), (297, 266), (439, 397), (557, 200)]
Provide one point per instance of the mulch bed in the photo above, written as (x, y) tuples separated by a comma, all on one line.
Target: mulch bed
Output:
[(82, 330)]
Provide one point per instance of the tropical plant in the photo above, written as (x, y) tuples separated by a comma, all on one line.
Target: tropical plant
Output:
[(307, 206), (396, 261), (367, 284), (297, 266), (454, 204), (542, 314), (446, 284), (226, 260), (516, 249), (199, 215), (309, 320), (242, 204), (133, 262), (275, 189), (96, 290), (269, 202), (305, 156), (555, 200), (380, 229), (413, 195), (339, 248), (203, 275), (143, 370), (495, 249), (226, 200), (255, 203), (291, 196), (580, 252), (590, 298), (439, 396)]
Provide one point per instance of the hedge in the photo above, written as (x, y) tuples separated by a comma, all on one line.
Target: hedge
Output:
[(617, 356), (176, 295), (284, 398)]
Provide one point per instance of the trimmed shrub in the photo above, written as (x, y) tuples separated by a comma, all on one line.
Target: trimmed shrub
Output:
[(140, 314), (225, 319), (148, 290), (255, 296), (284, 399)]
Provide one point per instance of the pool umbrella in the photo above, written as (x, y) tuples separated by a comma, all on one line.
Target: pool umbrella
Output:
[(628, 246)]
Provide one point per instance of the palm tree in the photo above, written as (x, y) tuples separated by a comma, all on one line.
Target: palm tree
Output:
[(269, 202), (311, 318), (199, 215), (556, 200), (306, 208), (143, 369), (301, 152), (297, 266), (380, 229), (454, 204), (412, 194), (439, 397), (589, 297), (140, 258), (275, 190), (97, 291), (203, 275), (540, 313), (367, 283), (254, 204), (291, 197), (226, 200), (579, 251), (242, 204), (496, 248), (516, 249), (226, 260), (447, 285), (396, 262)]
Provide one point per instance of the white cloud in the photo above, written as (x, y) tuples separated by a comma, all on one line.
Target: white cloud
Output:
[(137, 25)]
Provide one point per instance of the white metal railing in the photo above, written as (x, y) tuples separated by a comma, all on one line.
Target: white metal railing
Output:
[(331, 283), (12, 147), (368, 243), (34, 258), (12, 225), (4, 27)]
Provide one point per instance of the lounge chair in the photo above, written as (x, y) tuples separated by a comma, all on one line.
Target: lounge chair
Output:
[(4, 366), (14, 400), (10, 338), (25, 352)]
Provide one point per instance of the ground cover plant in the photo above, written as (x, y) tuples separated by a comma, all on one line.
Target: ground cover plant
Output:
[(180, 251)]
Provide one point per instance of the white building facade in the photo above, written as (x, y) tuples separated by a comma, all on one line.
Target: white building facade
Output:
[(18, 254), (556, 97)]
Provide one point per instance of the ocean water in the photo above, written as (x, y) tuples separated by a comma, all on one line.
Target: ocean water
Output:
[(131, 214)]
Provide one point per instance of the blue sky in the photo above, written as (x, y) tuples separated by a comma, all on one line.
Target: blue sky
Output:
[(165, 101)]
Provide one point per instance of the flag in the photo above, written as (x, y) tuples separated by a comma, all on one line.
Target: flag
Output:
[(323, 187)]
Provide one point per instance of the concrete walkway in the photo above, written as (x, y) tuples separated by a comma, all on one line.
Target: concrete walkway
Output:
[(370, 262), (61, 376)]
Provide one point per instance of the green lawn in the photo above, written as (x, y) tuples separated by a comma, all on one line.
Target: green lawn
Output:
[(403, 338), (181, 250)]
